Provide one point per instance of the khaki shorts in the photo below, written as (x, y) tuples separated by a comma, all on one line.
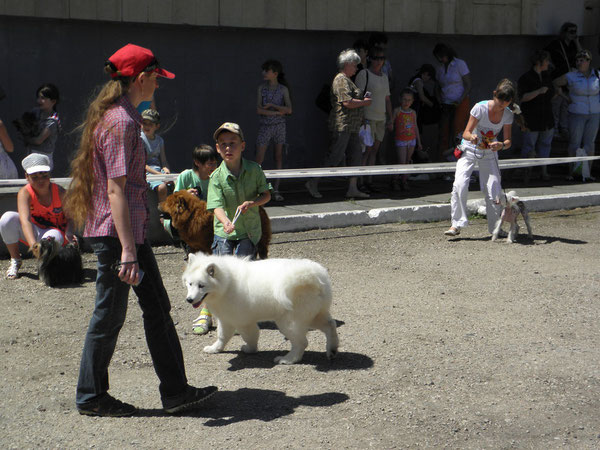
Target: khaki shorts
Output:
[(377, 129)]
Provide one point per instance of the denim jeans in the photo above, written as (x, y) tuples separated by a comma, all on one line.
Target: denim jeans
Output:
[(240, 247), (108, 318), (540, 139), (582, 132)]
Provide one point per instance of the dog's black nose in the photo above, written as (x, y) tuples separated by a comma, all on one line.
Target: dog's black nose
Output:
[(189, 300)]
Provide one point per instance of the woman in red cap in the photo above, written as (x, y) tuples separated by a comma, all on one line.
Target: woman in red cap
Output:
[(108, 196)]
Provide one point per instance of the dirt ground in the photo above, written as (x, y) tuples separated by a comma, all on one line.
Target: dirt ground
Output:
[(445, 343)]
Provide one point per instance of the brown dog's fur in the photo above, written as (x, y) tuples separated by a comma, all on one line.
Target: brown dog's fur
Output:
[(195, 224)]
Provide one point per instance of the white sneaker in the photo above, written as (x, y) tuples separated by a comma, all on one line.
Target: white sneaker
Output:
[(452, 231), (13, 270)]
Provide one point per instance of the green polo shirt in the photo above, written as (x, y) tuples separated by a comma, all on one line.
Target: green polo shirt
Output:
[(227, 191)]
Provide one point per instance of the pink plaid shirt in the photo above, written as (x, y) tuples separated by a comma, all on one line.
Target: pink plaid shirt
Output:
[(119, 152)]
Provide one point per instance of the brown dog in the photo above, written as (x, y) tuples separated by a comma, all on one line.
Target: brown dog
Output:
[(195, 224)]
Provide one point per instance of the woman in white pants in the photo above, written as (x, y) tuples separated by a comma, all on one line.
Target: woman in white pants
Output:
[(480, 146)]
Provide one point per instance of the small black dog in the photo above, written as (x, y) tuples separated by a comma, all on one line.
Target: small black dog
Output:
[(58, 265)]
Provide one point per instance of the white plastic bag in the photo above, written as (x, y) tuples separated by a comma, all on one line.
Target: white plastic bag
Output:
[(366, 138), (582, 167), (8, 170)]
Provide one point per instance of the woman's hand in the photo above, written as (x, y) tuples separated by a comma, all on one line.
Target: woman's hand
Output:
[(472, 139), (129, 273), (166, 170)]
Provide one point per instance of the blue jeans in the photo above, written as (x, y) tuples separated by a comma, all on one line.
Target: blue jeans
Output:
[(582, 132), (540, 139), (240, 247), (109, 316)]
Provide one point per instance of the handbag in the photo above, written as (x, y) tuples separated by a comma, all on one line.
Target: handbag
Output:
[(323, 100)]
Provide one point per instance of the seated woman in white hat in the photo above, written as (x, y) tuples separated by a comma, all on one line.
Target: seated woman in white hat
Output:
[(40, 214)]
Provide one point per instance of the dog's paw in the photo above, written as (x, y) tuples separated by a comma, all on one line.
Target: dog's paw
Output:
[(332, 353), (494, 237), (215, 348), (284, 360), (509, 241), (249, 349)]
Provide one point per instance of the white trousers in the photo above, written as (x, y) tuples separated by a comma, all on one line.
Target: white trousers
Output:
[(11, 231), (489, 182)]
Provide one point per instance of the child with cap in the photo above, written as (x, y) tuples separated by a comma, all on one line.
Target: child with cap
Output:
[(156, 159), (40, 214), (236, 225), (108, 196)]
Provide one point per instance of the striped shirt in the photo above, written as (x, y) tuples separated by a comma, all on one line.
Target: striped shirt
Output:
[(118, 152)]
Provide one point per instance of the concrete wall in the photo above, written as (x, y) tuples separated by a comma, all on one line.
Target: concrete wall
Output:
[(218, 70), (477, 17)]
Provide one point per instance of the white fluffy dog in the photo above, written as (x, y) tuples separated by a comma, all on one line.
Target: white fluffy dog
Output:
[(512, 208), (294, 293)]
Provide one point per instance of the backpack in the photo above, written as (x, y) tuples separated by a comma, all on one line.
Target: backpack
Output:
[(323, 100)]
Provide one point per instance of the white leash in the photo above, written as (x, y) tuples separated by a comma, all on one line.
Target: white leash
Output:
[(237, 214)]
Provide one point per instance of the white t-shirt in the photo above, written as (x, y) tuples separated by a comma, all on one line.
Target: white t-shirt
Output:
[(450, 80), (379, 87), (485, 130)]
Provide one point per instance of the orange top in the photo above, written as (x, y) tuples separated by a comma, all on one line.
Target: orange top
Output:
[(405, 126), (47, 216)]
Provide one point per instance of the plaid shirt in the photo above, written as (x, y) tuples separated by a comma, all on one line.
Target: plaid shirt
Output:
[(340, 117), (119, 152)]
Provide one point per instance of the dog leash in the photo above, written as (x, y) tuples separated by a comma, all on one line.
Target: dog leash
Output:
[(237, 214)]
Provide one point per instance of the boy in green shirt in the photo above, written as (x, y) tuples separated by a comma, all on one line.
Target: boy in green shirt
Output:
[(194, 180), (236, 189)]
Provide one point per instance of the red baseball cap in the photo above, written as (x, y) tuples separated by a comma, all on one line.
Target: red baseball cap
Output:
[(132, 60)]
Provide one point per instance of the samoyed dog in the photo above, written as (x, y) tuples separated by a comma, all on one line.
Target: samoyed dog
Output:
[(294, 293)]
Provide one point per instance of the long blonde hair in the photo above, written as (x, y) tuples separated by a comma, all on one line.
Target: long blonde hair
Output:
[(78, 198)]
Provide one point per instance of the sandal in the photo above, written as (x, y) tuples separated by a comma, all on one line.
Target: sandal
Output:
[(13, 270), (202, 323)]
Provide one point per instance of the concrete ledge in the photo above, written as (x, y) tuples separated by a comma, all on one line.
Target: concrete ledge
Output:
[(421, 213)]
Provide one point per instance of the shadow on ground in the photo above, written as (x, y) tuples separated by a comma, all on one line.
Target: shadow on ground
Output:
[(229, 407), (265, 360), (524, 240)]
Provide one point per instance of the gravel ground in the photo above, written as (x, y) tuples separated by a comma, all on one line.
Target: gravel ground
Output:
[(445, 343)]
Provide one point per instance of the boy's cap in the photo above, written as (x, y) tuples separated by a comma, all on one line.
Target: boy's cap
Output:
[(132, 60), (152, 115), (231, 127), (35, 163)]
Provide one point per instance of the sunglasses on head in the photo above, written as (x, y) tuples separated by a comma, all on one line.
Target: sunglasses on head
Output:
[(378, 58)]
